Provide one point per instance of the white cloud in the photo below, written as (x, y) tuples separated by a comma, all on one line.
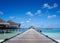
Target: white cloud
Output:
[(19, 18), (55, 25), (30, 19), (38, 12), (52, 16), (22, 22), (29, 14), (11, 17), (58, 11), (1, 13), (46, 5), (16, 18), (55, 5), (27, 21)]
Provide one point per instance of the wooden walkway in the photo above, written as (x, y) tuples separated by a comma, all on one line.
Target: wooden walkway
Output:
[(30, 36)]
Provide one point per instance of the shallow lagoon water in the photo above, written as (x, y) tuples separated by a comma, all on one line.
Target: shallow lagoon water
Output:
[(53, 33), (13, 33)]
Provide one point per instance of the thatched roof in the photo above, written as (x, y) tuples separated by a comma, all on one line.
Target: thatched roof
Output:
[(12, 23), (1, 20)]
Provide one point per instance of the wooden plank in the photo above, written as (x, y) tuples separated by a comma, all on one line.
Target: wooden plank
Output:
[(30, 36)]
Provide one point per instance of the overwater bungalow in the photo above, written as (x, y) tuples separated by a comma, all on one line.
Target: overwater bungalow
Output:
[(3, 24), (13, 24), (8, 25)]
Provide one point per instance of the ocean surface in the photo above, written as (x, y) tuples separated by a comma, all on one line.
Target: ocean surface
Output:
[(54, 33)]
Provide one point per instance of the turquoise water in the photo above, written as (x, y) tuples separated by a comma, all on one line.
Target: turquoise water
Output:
[(13, 33), (53, 33), (55, 36), (51, 30)]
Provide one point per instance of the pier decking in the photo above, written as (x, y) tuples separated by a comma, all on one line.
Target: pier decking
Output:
[(30, 36)]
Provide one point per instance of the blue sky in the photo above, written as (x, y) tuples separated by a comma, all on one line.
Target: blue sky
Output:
[(39, 13)]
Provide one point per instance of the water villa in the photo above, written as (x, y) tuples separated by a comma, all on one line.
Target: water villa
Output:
[(8, 25), (3, 24), (30, 36), (13, 24)]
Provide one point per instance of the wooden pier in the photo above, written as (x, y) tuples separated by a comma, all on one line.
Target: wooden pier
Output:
[(30, 36)]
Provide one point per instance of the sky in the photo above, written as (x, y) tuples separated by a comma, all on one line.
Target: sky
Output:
[(38, 13)]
